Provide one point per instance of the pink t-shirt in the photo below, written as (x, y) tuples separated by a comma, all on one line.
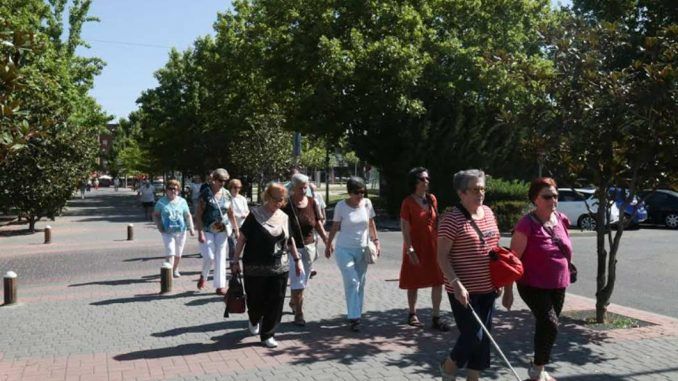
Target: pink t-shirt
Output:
[(545, 264)]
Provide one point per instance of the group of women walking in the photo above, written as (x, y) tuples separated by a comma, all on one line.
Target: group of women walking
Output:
[(277, 244)]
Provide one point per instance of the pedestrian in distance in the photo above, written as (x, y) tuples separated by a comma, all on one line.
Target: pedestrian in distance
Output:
[(147, 197), (542, 242), (265, 247), (83, 188), (419, 227), (463, 258), (116, 183), (305, 221), (240, 211), (96, 184), (353, 220), (195, 188), (215, 222), (173, 219)]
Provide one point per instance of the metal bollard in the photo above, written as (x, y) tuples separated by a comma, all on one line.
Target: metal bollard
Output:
[(10, 287), (166, 278), (130, 232), (48, 234)]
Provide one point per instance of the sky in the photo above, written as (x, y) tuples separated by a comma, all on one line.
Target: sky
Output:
[(134, 38)]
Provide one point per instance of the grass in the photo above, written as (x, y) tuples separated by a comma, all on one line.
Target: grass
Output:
[(587, 318)]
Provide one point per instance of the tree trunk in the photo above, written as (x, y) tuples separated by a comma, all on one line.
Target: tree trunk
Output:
[(31, 223)]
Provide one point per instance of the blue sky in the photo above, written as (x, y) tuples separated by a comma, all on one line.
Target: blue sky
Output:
[(134, 37)]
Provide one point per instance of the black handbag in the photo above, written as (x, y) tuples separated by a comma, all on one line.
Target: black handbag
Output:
[(235, 298)]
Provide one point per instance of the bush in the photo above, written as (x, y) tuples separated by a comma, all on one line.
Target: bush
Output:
[(508, 200), (504, 190), (508, 213)]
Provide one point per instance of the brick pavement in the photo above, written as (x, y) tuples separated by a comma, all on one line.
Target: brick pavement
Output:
[(114, 326)]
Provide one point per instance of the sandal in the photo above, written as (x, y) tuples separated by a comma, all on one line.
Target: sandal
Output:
[(439, 325), (299, 320), (413, 320)]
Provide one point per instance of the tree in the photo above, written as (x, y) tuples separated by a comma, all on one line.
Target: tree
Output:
[(610, 112), (50, 109), (409, 82)]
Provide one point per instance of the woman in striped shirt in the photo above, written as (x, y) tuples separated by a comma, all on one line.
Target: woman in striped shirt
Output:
[(462, 255)]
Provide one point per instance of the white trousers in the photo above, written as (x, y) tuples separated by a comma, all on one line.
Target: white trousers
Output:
[(174, 243), (214, 250)]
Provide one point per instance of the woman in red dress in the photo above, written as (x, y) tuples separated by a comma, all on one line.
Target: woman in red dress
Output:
[(418, 222)]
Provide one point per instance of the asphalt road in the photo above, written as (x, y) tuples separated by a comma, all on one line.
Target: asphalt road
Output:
[(646, 270)]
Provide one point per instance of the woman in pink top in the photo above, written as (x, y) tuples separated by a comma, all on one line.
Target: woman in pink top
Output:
[(541, 240)]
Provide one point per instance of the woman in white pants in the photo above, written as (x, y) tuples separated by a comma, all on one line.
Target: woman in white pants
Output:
[(214, 220), (172, 217)]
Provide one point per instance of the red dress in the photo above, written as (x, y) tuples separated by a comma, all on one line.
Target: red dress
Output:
[(423, 234)]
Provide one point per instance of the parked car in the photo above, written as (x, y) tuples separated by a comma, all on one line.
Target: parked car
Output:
[(662, 207), (573, 204), (635, 209)]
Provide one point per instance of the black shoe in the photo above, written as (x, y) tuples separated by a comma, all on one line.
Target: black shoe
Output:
[(354, 325)]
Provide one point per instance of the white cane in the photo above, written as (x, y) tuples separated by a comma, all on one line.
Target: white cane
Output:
[(493, 342)]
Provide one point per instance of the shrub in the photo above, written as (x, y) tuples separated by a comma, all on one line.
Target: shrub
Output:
[(508, 213), (505, 190)]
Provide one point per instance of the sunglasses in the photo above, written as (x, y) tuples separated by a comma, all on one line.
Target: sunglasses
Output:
[(173, 188), (220, 180), (278, 199), (549, 196)]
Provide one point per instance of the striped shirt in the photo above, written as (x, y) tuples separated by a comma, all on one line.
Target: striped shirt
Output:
[(468, 255)]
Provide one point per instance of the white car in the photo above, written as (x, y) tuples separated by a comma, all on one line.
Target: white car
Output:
[(573, 205)]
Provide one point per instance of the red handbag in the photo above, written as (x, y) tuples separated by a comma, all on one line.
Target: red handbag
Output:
[(505, 267)]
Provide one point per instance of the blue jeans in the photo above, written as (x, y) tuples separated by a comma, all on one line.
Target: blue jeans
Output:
[(353, 268), (472, 349)]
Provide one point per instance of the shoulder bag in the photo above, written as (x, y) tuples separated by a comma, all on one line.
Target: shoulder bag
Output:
[(370, 252), (505, 267)]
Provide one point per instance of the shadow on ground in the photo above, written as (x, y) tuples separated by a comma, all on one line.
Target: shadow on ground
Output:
[(330, 340)]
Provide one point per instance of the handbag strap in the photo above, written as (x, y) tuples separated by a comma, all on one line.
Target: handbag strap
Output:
[(296, 219), (472, 222), (551, 233)]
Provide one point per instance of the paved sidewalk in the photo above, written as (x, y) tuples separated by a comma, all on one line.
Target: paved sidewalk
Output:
[(93, 322)]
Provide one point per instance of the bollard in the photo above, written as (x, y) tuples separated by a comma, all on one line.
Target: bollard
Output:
[(10, 287), (130, 232), (48, 234), (166, 278)]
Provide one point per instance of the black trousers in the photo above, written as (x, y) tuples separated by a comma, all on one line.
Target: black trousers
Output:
[(265, 300), (546, 306)]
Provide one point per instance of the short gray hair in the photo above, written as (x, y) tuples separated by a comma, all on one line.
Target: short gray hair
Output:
[(220, 173), (462, 179), (298, 179)]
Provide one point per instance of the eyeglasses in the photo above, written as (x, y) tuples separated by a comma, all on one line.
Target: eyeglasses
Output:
[(549, 196), (172, 189), (477, 190)]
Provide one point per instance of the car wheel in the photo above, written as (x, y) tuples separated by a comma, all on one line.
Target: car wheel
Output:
[(671, 220), (587, 222)]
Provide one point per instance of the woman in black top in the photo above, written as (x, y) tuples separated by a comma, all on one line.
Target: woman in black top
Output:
[(267, 243)]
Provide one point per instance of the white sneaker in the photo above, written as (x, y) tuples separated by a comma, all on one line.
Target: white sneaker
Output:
[(177, 274), (270, 343), (254, 329)]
